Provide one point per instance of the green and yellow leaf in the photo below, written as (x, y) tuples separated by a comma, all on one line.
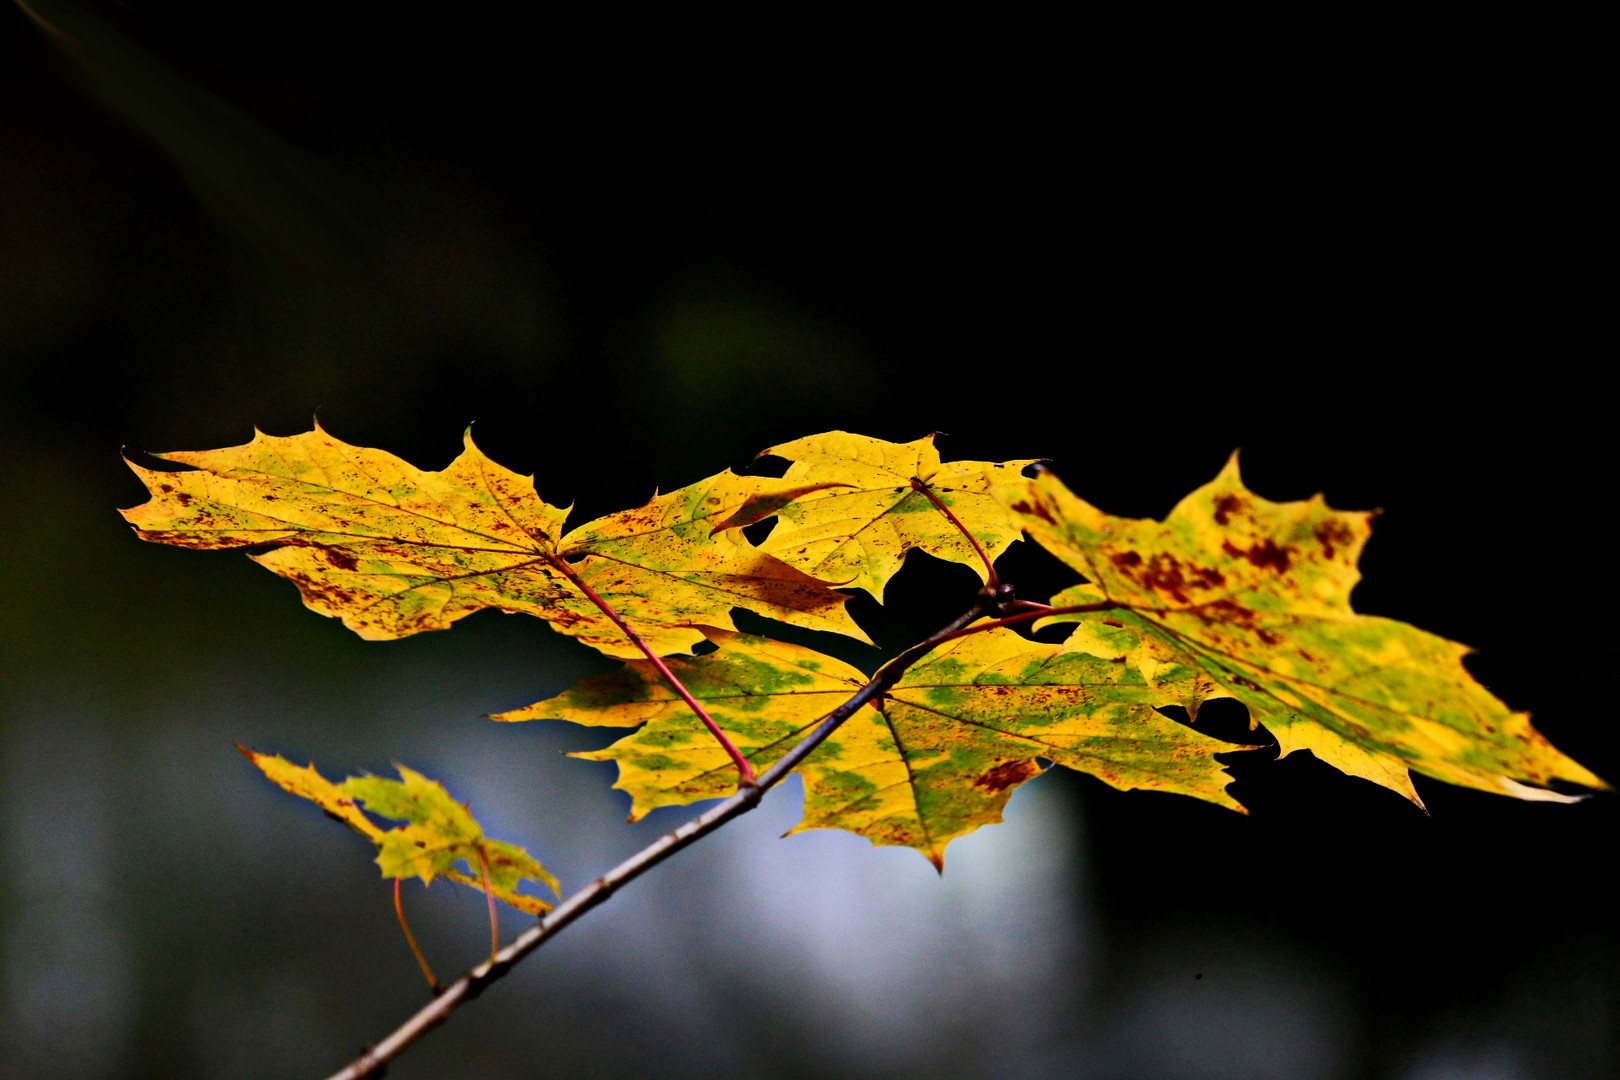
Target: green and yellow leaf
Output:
[(865, 508), (666, 565), (438, 831), (935, 758), (1255, 595), (393, 550)]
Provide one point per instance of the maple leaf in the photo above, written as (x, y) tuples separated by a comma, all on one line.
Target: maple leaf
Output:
[(393, 550), (934, 758), (438, 831), (865, 506), (1256, 596), (669, 566)]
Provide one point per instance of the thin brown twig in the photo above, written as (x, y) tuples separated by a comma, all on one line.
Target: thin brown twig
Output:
[(919, 484), (410, 939), (1036, 611), (474, 982), (489, 896)]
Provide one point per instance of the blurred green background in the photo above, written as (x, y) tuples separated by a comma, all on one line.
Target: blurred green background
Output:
[(635, 256)]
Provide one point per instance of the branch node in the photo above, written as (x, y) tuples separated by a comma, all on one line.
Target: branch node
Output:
[(1001, 596)]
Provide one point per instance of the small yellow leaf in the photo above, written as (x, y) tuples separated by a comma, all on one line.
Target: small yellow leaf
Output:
[(438, 831)]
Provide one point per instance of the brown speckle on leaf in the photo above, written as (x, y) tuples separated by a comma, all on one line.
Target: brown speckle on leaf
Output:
[(1033, 510), (1333, 535), (337, 597), (1006, 774), (1264, 554), (1225, 507), (1164, 575)]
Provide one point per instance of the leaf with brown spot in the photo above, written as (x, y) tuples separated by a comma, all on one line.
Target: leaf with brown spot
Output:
[(393, 550), (668, 565), (935, 759), (1255, 595)]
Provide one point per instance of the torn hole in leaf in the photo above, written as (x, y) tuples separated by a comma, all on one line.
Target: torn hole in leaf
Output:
[(759, 530)]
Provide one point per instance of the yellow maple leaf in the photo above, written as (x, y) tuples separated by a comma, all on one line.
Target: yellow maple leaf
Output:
[(1256, 595), (393, 550), (865, 506)]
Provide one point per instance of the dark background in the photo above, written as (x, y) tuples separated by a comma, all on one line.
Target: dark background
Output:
[(637, 255)]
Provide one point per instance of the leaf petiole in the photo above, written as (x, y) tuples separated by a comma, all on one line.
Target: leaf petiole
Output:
[(919, 484), (745, 771), (410, 939), (489, 895), (1028, 612)]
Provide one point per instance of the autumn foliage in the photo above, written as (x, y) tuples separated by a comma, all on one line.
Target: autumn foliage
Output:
[(1230, 595)]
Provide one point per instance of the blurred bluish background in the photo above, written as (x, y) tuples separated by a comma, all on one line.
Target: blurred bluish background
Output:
[(637, 255)]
